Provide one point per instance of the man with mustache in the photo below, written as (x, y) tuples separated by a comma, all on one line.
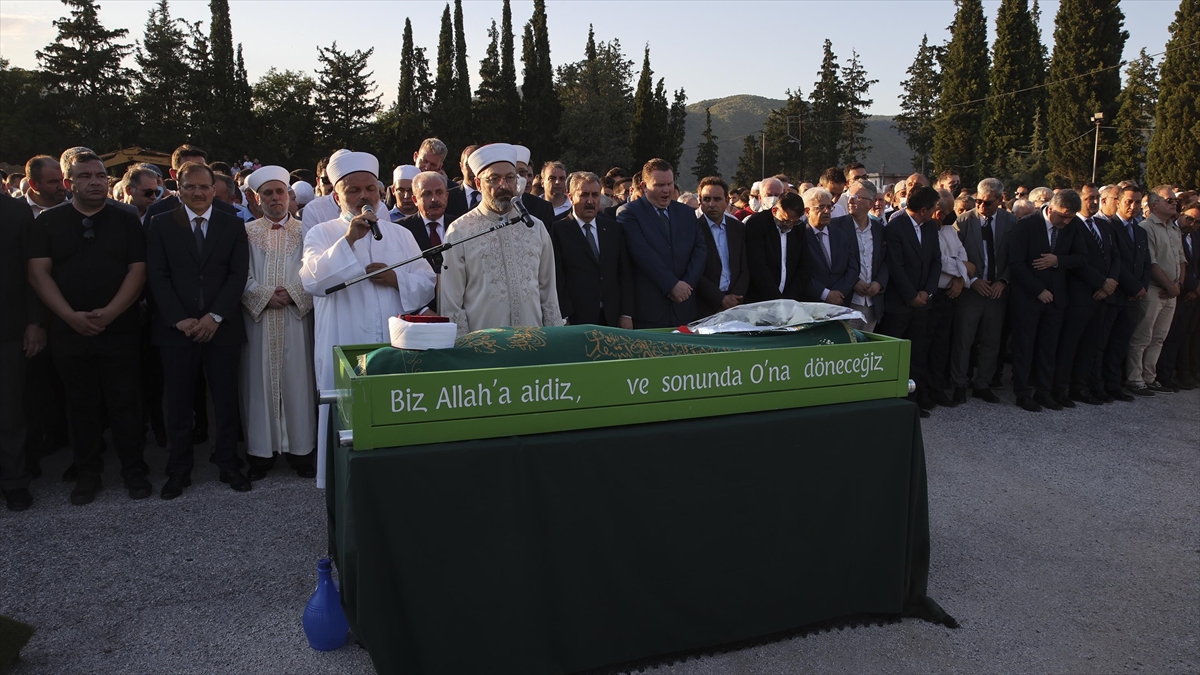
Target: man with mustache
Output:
[(342, 249), (506, 278)]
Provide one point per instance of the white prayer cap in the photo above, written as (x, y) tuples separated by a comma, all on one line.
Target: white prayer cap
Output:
[(265, 174), (755, 186), (487, 155), (406, 172), (343, 163), (522, 154), (304, 192)]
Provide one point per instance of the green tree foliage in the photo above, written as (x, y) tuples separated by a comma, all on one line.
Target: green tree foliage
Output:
[(788, 130), (28, 123), (199, 123), (222, 73), (749, 168), (1135, 119), (487, 97), (462, 79), (444, 112), (956, 143), (823, 131), (918, 105), (1084, 79), (676, 129), (706, 155), (540, 108), (87, 85), (647, 130), (160, 71), (1018, 71), (1174, 155), (853, 144), (284, 107), (345, 97), (402, 127), (511, 99), (597, 104)]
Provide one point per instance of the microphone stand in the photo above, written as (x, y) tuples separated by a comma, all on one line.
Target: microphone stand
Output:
[(433, 254)]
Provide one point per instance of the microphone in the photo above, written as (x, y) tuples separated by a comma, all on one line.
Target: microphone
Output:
[(522, 212), (374, 223)]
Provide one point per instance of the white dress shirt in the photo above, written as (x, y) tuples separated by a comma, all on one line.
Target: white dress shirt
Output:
[(782, 258), (192, 216), (866, 256)]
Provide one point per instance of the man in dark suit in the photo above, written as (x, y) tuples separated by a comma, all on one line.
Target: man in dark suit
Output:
[(182, 155), (833, 254), (198, 262), (1133, 281), (1045, 246), (428, 225), (914, 266), (667, 249), (872, 256), (593, 270), (462, 197), (1172, 369), (726, 274), (1087, 286), (985, 232), (777, 252)]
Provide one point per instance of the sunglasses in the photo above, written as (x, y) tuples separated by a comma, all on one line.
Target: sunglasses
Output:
[(150, 194), (89, 233)]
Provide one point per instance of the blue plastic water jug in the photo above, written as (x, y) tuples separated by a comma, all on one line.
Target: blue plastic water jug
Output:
[(325, 623)]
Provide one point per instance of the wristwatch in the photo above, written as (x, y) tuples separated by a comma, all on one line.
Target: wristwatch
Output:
[(216, 317)]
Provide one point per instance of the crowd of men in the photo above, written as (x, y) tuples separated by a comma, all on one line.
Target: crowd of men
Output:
[(128, 303)]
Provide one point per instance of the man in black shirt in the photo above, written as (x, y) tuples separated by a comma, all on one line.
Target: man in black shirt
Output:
[(87, 264)]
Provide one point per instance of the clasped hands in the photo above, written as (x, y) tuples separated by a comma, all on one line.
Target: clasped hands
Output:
[(279, 299), (200, 330), (90, 324)]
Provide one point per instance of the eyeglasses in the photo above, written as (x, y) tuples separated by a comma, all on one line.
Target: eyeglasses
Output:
[(494, 180), (191, 187), (1172, 200), (1022, 194), (820, 207), (985, 202), (325, 180), (150, 194), (88, 232)]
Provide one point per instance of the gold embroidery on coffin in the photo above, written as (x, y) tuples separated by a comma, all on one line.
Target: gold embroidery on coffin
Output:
[(617, 346), (482, 341), (527, 338)]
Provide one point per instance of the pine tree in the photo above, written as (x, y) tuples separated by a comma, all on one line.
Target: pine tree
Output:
[(1016, 70), (242, 92), (647, 127), (88, 86), (853, 145), (676, 130), (706, 155), (964, 86), (540, 108), (490, 104), (400, 129), (285, 110), (1135, 118), (749, 167), (345, 97), (462, 79), (1174, 155), (222, 68), (597, 104), (788, 131), (919, 104), (1087, 38), (443, 120), (824, 131), (160, 70), (510, 109), (199, 123)]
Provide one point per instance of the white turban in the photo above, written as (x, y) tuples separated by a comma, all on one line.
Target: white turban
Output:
[(343, 163), (266, 174), (406, 172), (522, 154), (487, 155), (755, 186), (304, 192)]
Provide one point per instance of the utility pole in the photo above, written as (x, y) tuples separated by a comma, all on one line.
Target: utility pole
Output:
[(764, 153), (1098, 118)]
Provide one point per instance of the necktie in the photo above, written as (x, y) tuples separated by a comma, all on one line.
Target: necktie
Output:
[(1129, 231), (989, 245), (198, 232), (434, 239), (824, 242), (474, 199), (1096, 234), (666, 222), (587, 234), (1053, 237)]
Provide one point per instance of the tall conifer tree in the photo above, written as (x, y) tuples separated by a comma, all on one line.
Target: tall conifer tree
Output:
[(510, 99), (956, 143), (442, 114), (918, 105), (749, 166), (706, 154), (823, 133), (345, 96), (462, 78), (540, 108), (1174, 155), (597, 104), (160, 73), (223, 67), (1135, 119), (853, 145), (1017, 68), (647, 131), (676, 130)]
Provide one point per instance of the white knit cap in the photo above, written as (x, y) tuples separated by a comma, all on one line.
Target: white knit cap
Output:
[(487, 155), (406, 172), (304, 192), (266, 174), (522, 154), (343, 163)]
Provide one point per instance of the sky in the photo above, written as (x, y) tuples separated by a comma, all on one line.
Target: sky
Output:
[(711, 49)]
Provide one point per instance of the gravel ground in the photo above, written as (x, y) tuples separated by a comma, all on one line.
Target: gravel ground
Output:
[(1062, 542)]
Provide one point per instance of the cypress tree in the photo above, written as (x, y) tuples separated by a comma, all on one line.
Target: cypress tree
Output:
[(540, 108), (706, 154), (241, 86), (956, 143), (676, 130), (1088, 42), (1135, 118), (853, 144), (442, 113), (1174, 155), (597, 107), (160, 72), (489, 102), (223, 67), (403, 126), (344, 96), (510, 100), (749, 166), (1016, 69), (918, 105), (462, 78), (824, 131), (88, 87), (647, 128), (200, 122)]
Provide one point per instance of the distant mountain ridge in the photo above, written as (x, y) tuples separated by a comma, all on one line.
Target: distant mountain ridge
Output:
[(735, 117)]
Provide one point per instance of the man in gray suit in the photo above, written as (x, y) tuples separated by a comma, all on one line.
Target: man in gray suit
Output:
[(984, 232)]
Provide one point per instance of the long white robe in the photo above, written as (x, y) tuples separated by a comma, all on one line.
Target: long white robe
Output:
[(504, 278), (320, 210), (278, 387), (357, 314)]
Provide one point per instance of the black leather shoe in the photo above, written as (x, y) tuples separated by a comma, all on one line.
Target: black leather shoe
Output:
[(19, 499), (960, 395), (34, 469), (1119, 395), (1046, 402), (995, 383), (1185, 383), (925, 414), (256, 473), (1028, 404), (306, 471), (85, 490), (1065, 401), (939, 397), (986, 394), (71, 474), (1086, 398), (138, 487), (174, 485), (237, 480)]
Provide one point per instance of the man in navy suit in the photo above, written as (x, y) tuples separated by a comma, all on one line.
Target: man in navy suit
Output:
[(182, 155), (726, 273), (667, 249), (833, 254), (777, 251), (1045, 246), (462, 197), (197, 262), (1133, 281), (592, 266), (428, 224), (914, 266)]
